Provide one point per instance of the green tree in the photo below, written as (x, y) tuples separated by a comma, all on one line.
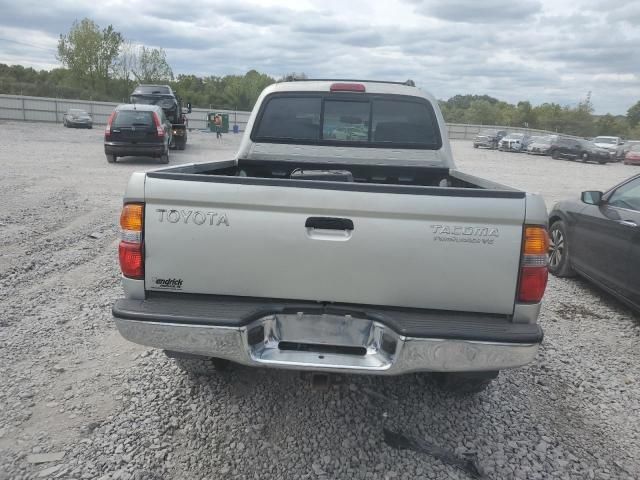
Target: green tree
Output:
[(126, 62), (633, 115), (606, 125), (89, 52), (290, 77), (525, 115), (482, 112), (549, 117), (150, 65)]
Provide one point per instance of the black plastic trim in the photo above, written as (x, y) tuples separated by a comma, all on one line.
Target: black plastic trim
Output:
[(229, 311), (345, 186), (329, 223)]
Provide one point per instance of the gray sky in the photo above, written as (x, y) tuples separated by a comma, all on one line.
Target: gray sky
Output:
[(540, 50)]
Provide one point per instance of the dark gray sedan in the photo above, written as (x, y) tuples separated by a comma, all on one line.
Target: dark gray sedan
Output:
[(77, 118), (598, 237)]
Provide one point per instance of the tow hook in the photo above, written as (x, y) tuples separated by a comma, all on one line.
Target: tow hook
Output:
[(319, 380)]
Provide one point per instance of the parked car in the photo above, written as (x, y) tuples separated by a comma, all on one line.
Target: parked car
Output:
[(597, 238), (515, 142), (137, 130), (614, 145), (77, 118), (201, 243), (540, 145), (489, 138), (578, 149), (628, 145), (632, 157)]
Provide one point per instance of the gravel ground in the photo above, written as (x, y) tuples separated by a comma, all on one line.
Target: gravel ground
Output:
[(80, 402)]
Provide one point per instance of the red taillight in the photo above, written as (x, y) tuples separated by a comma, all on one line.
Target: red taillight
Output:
[(107, 130), (347, 87), (534, 268), (159, 127), (130, 250), (131, 260), (533, 281)]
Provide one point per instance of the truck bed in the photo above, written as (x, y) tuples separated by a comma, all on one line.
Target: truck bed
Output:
[(365, 177)]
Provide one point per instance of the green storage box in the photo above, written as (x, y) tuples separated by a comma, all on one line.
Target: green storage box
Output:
[(225, 121)]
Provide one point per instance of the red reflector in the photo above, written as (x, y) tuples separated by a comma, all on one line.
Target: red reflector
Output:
[(107, 130), (347, 87), (159, 127), (131, 260), (533, 281)]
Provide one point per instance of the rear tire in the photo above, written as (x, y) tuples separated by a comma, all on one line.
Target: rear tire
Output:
[(559, 264), (464, 383), (554, 154), (475, 146), (181, 144), (111, 158), (165, 157)]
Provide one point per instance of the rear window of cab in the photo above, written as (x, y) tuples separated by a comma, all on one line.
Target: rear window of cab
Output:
[(361, 120)]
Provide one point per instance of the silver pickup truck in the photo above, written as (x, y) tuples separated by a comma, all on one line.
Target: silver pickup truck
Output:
[(340, 239)]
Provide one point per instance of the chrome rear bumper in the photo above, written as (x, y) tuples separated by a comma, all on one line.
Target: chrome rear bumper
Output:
[(327, 343)]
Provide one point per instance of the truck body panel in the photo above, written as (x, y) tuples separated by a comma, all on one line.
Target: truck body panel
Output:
[(422, 251), (340, 238)]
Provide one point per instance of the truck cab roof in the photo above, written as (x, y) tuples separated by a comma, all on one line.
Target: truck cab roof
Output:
[(152, 90)]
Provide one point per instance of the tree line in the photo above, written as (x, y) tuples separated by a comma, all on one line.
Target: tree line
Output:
[(576, 120), (101, 64)]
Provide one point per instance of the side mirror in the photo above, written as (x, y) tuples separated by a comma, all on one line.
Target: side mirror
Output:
[(592, 197), (188, 107)]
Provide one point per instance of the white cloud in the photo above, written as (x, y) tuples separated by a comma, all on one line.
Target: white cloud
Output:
[(538, 50)]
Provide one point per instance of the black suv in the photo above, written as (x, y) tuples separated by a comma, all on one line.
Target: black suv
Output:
[(165, 98), (577, 149), (137, 130), (489, 138)]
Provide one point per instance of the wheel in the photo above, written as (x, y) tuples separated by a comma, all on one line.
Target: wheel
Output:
[(464, 383), (182, 143), (64, 123), (90, 127), (559, 250), (554, 155), (165, 157), (475, 146), (584, 157), (602, 162), (111, 158)]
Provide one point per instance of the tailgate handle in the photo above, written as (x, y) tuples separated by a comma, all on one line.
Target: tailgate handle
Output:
[(329, 223)]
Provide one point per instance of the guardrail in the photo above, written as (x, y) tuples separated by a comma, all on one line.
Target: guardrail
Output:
[(461, 131), (41, 109)]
